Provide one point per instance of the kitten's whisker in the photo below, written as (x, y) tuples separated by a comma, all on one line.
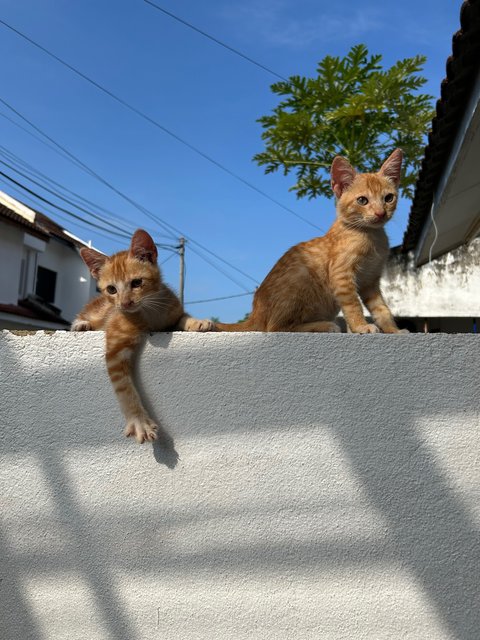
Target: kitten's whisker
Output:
[(154, 306)]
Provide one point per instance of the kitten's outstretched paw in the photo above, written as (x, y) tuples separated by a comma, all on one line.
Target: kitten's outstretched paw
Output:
[(193, 324), (368, 328), (81, 325), (142, 429)]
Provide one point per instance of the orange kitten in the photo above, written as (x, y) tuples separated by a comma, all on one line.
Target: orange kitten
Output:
[(133, 300), (309, 285)]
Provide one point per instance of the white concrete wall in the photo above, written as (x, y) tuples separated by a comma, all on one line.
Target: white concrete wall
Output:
[(449, 286), (315, 487)]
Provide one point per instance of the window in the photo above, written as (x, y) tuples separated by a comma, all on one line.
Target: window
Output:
[(23, 277), (28, 270), (46, 281)]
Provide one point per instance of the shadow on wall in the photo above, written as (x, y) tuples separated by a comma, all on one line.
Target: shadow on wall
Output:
[(373, 419), (17, 620), (431, 532)]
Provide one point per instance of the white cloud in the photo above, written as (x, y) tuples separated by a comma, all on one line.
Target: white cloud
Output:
[(278, 22)]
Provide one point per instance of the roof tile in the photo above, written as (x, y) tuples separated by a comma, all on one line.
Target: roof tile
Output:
[(462, 68)]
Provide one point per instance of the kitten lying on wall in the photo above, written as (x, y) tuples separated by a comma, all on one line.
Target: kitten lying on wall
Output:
[(133, 300), (309, 285)]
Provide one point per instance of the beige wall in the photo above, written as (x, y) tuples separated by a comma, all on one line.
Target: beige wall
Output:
[(316, 487)]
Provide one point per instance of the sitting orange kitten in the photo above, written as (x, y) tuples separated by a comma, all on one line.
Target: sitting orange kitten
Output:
[(133, 300), (309, 285)]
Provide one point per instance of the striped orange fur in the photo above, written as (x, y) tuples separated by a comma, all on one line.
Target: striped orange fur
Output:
[(133, 300), (309, 285)]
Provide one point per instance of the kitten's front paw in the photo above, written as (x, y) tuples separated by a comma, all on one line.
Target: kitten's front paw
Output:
[(193, 324), (81, 325), (367, 328), (142, 429)]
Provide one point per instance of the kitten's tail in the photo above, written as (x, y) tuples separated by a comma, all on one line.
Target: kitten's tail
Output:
[(246, 325)]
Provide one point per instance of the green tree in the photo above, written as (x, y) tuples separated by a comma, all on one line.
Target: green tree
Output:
[(352, 108)]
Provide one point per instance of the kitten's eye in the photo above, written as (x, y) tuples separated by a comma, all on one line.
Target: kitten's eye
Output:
[(136, 283), (111, 289), (389, 197), (362, 200)]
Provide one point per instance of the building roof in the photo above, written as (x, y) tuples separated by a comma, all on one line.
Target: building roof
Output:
[(462, 70), (8, 214), (37, 223)]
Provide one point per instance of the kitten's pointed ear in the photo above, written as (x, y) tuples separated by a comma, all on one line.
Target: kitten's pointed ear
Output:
[(93, 259), (143, 247), (342, 174), (392, 167)]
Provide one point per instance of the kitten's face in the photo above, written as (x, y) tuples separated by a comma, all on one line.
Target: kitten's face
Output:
[(370, 201), (366, 200), (129, 279), (128, 283)]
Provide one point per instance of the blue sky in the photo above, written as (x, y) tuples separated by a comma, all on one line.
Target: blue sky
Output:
[(205, 95)]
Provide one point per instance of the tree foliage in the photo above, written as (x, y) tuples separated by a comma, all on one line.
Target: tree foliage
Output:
[(352, 108)]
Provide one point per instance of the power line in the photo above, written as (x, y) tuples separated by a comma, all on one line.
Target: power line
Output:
[(55, 206), (158, 125), (27, 198), (44, 142), (16, 160), (227, 275), (121, 233), (33, 194), (213, 39), (60, 197), (166, 225), (237, 295), (56, 194), (167, 259), (70, 213)]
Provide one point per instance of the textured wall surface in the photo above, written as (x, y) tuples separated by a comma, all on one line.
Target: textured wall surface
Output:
[(315, 486), (446, 287)]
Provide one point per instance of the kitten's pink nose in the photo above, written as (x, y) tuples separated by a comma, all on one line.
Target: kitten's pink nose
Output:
[(380, 214), (127, 305)]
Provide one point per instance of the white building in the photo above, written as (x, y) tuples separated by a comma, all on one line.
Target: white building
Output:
[(43, 280)]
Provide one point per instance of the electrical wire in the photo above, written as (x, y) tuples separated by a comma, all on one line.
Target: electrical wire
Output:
[(167, 259), (158, 125), (237, 295), (55, 206), (58, 195), (74, 215), (55, 215), (213, 39), (39, 139), (20, 188), (16, 160), (219, 269), (165, 225)]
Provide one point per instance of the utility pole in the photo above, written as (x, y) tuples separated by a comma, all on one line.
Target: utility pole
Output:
[(181, 253)]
